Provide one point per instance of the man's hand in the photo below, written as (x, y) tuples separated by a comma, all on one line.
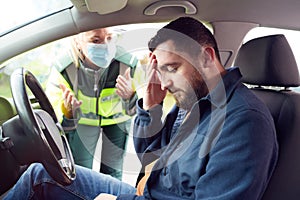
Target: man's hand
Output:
[(70, 103), (154, 93), (124, 85), (104, 196)]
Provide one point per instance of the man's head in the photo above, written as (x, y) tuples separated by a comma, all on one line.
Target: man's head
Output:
[(187, 60), (96, 47), (187, 33)]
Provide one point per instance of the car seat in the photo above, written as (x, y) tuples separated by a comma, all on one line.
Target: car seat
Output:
[(6, 109), (269, 68)]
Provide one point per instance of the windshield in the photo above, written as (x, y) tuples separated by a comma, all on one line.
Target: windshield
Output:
[(18, 12)]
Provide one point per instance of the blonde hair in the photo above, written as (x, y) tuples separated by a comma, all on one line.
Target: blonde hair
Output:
[(76, 52)]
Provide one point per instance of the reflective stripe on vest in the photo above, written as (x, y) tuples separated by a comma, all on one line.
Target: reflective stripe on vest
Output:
[(110, 108)]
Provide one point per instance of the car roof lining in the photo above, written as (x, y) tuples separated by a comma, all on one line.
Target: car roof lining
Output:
[(72, 21), (236, 10)]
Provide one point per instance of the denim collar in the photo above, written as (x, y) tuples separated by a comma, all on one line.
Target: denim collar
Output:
[(220, 95)]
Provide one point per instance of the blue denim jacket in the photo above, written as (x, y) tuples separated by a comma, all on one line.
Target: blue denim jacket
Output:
[(226, 148)]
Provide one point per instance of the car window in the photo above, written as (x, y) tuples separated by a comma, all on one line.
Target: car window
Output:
[(38, 61), (292, 36), (56, 54), (14, 11)]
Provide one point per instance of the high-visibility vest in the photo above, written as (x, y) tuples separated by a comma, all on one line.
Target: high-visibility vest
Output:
[(110, 108)]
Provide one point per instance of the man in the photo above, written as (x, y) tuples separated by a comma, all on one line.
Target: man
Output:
[(89, 83), (218, 142)]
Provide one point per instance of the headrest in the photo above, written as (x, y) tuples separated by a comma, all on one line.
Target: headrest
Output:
[(268, 61)]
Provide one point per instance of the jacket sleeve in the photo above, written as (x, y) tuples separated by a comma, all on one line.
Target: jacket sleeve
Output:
[(149, 133), (69, 125)]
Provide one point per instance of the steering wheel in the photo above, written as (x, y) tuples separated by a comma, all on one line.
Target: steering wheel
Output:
[(36, 134)]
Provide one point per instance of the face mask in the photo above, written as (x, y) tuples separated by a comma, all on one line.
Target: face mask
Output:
[(101, 54)]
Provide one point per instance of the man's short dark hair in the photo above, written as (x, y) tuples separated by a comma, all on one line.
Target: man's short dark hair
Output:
[(184, 31)]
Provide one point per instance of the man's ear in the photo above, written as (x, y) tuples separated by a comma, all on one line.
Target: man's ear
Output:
[(209, 54)]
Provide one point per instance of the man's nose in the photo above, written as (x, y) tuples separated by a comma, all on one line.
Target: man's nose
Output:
[(165, 82)]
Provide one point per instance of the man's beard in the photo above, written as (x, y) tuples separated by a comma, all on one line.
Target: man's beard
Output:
[(197, 90)]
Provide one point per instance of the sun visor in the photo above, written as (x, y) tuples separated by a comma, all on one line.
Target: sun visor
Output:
[(105, 7)]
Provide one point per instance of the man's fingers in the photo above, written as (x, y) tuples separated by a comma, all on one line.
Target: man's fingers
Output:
[(151, 65), (153, 77)]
